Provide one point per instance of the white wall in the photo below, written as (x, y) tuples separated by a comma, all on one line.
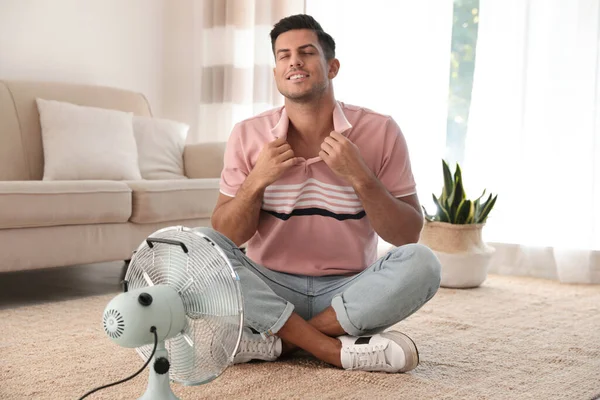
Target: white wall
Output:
[(106, 42)]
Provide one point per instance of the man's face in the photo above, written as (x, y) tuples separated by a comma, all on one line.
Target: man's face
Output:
[(301, 71)]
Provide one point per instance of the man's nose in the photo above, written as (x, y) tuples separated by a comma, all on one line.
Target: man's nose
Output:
[(296, 61)]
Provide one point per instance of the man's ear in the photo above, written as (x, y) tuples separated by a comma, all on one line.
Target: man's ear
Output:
[(334, 67)]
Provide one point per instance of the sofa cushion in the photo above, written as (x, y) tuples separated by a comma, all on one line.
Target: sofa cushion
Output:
[(87, 143), (25, 204), (160, 144), (169, 200)]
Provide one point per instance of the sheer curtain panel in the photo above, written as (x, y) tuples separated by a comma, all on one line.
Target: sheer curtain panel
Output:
[(534, 135)]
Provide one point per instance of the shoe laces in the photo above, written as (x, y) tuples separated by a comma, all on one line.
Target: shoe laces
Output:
[(367, 356), (257, 345)]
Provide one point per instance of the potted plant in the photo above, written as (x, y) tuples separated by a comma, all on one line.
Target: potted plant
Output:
[(454, 233)]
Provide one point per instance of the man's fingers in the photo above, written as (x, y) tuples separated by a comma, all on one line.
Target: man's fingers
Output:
[(330, 140), (291, 162), (283, 148), (337, 136), (280, 145), (330, 143), (285, 155), (327, 146), (278, 142)]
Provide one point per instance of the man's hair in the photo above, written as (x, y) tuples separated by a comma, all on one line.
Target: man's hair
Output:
[(303, 21)]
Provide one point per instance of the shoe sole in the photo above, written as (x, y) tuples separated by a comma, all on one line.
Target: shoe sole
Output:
[(408, 346)]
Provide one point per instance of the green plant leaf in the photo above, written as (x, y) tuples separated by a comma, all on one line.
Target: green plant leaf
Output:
[(448, 188), (486, 208), (480, 209), (476, 210), (442, 213), (463, 212), (471, 216), (457, 198), (458, 178), (451, 197), (482, 194), (427, 216)]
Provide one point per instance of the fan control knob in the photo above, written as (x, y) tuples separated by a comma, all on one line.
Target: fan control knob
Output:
[(145, 299), (161, 365)]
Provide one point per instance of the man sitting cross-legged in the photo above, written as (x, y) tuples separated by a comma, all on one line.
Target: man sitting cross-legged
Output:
[(309, 187)]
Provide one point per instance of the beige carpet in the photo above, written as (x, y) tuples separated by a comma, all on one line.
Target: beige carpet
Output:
[(513, 338)]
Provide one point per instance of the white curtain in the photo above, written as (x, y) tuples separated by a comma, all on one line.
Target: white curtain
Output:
[(534, 135), (395, 60)]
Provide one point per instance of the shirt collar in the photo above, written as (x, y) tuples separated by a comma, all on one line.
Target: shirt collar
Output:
[(340, 123)]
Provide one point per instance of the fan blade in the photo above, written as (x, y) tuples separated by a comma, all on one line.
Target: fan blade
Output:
[(147, 279), (187, 338)]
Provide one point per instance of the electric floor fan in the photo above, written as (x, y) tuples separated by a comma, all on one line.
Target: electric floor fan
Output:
[(181, 309)]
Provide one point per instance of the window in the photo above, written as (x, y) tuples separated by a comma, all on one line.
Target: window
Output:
[(465, 21)]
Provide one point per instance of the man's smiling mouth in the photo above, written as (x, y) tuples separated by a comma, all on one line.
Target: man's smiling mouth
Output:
[(297, 76)]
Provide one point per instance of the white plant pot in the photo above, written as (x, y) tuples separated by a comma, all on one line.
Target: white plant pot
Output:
[(464, 270), (464, 256)]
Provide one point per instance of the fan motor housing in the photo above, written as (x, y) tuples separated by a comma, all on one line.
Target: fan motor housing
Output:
[(127, 320)]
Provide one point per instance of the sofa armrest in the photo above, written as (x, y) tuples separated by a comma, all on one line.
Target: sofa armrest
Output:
[(203, 160)]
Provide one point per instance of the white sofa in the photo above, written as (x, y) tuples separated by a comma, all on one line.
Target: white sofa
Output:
[(48, 223)]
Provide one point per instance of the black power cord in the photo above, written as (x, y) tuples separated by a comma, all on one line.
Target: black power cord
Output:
[(153, 330)]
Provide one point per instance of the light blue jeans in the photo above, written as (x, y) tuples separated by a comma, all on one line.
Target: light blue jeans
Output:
[(388, 291)]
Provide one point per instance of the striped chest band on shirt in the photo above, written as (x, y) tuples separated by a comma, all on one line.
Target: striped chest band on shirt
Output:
[(312, 197)]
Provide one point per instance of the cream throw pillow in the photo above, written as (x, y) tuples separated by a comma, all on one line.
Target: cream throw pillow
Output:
[(87, 143), (160, 147)]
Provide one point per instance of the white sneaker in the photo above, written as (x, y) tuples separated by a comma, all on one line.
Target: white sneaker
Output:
[(390, 351), (254, 347)]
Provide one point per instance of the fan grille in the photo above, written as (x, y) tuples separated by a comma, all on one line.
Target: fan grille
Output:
[(210, 291)]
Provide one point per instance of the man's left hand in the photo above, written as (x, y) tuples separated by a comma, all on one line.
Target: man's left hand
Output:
[(343, 157)]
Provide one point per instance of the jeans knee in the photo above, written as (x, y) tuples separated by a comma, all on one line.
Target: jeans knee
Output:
[(425, 264), (429, 266)]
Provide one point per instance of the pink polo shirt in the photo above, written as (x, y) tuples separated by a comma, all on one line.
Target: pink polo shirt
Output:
[(312, 222)]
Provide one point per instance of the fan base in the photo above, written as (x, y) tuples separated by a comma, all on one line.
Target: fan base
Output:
[(159, 386)]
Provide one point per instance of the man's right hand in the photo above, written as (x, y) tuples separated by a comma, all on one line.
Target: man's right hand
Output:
[(274, 159), (237, 217)]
